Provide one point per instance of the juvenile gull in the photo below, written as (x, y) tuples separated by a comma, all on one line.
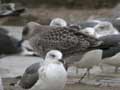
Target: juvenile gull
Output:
[(30, 29), (68, 40), (58, 22), (49, 75)]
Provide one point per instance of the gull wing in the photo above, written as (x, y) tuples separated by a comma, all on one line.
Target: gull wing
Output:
[(30, 76)]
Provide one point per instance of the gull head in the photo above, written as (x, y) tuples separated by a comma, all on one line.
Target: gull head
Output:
[(101, 29), (29, 30), (58, 22), (54, 55), (105, 28)]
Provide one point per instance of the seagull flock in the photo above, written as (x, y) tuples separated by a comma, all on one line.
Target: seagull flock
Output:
[(61, 45)]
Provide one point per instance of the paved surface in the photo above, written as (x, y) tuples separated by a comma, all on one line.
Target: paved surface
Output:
[(15, 65)]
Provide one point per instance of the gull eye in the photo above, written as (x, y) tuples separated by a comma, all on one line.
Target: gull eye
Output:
[(52, 55), (102, 27), (25, 31), (86, 32)]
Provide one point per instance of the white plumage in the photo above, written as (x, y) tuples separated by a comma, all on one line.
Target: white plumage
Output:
[(113, 61), (103, 28), (89, 59), (50, 75), (58, 22)]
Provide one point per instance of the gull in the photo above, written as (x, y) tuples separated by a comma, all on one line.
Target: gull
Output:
[(111, 50), (8, 6), (58, 22), (30, 29), (4, 31), (102, 28), (49, 75), (89, 59), (107, 53), (111, 57), (68, 40), (110, 41), (109, 34), (27, 49), (116, 23)]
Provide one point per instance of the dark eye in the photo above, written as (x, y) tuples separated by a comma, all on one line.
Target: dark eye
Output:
[(86, 32), (102, 27), (25, 31), (53, 55)]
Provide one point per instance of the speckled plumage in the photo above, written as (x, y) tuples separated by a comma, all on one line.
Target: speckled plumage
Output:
[(68, 40)]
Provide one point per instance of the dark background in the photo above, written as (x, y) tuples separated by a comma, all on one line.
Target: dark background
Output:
[(67, 3)]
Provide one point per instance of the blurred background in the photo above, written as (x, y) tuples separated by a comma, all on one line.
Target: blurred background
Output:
[(42, 11), (93, 4)]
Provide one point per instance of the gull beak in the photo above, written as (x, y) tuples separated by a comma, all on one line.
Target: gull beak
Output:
[(20, 43), (62, 61)]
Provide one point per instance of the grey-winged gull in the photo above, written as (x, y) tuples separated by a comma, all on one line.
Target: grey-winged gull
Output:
[(89, 59), (111, 50), (111, 57), (102, 28), (49, 75), (105, 31), (58, 22)]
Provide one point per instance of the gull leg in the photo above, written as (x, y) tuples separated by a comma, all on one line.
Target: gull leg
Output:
[(101, 67), (77, 71), (116, 69), (88, 72)]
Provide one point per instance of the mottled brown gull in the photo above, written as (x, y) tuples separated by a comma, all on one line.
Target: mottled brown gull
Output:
[(30, 29), (68, 40)]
